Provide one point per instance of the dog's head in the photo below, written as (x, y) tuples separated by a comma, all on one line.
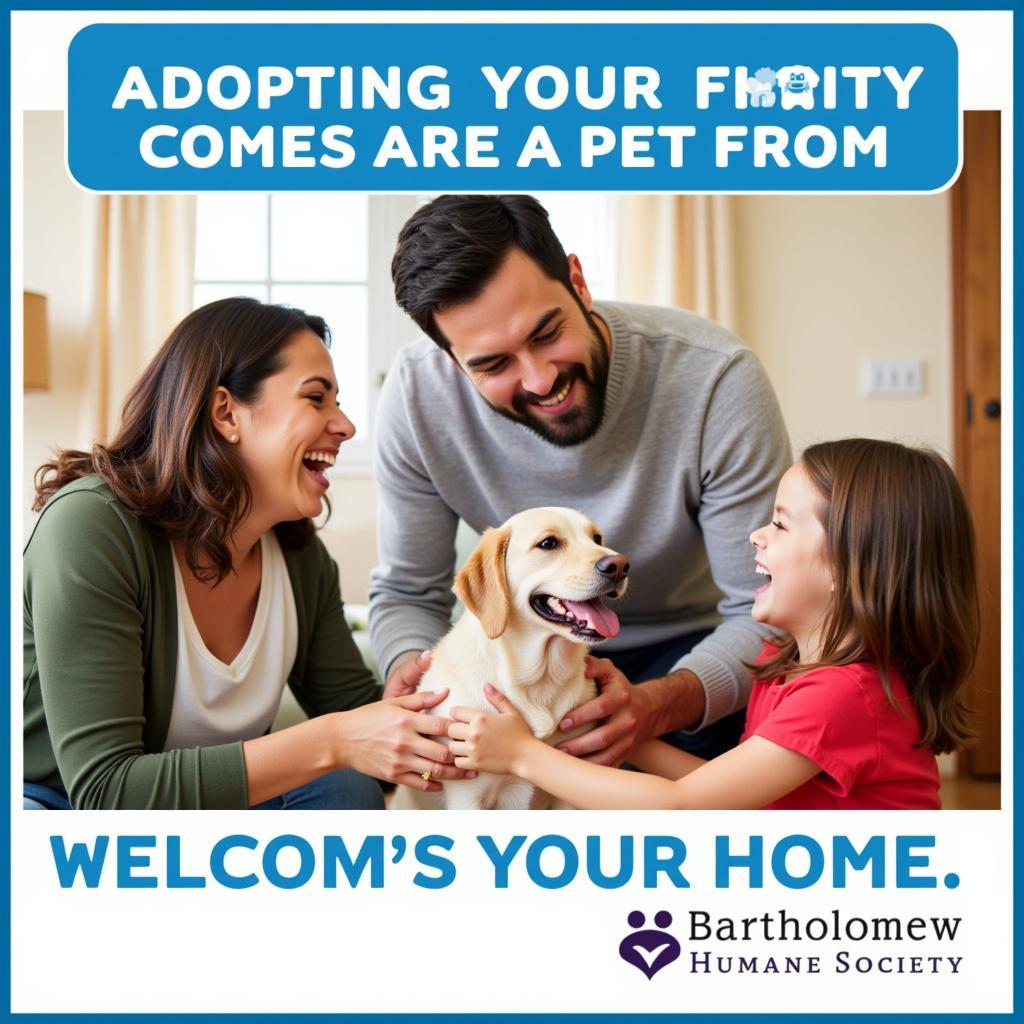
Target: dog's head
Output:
[(548, 567)]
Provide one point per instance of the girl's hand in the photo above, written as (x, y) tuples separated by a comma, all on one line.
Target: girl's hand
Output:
[(487, 742), (392, 740)]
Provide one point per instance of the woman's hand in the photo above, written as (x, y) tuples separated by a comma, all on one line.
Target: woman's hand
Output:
[(488, 742), (390, 740)]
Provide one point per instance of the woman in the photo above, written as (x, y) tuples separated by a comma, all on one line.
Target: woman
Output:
[(174, 582)]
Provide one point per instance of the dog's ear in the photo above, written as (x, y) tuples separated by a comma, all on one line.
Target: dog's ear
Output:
[(482, 584)]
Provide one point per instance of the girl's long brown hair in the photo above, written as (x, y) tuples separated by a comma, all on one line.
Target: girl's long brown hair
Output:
[(167, 463), (900, 544)]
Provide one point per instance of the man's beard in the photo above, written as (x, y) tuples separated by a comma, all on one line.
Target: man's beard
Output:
[(582, 421)]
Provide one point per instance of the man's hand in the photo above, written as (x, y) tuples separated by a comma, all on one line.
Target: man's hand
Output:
[(633, 713), (406, 675), (621, 703)]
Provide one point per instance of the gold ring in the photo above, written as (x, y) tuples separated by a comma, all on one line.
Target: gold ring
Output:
[(425, 776)]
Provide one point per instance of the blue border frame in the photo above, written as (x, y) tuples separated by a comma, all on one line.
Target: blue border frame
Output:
[(5, 475), (514, 5), (5, 515)]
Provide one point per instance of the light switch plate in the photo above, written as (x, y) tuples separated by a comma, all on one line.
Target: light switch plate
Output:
[(893, 377)]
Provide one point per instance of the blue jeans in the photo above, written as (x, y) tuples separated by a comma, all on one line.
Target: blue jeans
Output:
[(643, 663), (345, 790), (42, 798)]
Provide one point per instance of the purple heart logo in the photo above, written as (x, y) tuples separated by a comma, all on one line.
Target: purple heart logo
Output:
[(649, 949)]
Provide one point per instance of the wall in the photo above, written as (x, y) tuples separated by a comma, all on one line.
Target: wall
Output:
[(825, 282), (58, 263), (822, 283), (351, 533)]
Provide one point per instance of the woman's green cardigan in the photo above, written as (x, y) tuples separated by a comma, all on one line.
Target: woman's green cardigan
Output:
[(101, 621)]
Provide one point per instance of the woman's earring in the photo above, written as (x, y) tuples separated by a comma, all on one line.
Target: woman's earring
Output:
[(233, 439)]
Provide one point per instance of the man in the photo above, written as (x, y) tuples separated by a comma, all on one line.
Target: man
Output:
[(656, 423)]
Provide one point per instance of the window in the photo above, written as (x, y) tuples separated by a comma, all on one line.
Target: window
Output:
[(330, 254), (326, 253), (587, 224)]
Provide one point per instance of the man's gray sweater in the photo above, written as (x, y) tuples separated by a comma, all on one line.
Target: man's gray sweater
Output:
[(683, 468)]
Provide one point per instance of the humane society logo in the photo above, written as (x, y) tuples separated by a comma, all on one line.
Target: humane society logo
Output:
[(649, 949)]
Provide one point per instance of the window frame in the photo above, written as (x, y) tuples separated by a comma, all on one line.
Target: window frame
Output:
[(388, 328)]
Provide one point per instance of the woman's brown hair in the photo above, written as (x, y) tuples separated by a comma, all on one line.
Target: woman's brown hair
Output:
[(167, 463), (900, 543)]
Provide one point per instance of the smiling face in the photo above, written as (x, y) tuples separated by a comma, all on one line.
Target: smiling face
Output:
[(560, 569), (791, 554), (291, 434), (533, 350), (548, 569)]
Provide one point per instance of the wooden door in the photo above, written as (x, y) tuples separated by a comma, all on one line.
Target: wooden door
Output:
[(976, 414)]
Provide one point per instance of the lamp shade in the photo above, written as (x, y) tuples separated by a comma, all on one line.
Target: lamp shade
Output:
[(37, 343)]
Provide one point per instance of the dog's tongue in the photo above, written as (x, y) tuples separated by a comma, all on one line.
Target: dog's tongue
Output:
[(599, 618)]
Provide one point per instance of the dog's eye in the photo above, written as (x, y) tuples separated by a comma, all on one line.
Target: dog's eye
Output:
[(548, 544), (598, 539)]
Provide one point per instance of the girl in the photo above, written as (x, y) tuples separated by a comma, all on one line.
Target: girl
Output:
[(174, 582), (869, 566)]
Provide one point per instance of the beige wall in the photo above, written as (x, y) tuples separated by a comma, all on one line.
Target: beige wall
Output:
[(825, 282), (822, 283), (351, 533), (58, 263)]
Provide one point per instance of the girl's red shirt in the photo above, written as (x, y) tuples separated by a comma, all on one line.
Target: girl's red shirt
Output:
[(841, 719)]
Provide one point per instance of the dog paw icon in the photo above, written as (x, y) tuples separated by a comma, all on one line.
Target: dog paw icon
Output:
[(649, 949)]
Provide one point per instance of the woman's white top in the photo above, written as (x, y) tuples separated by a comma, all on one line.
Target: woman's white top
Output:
[(217, 703)]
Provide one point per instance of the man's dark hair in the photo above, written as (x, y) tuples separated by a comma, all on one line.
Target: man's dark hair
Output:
[(448, 251)]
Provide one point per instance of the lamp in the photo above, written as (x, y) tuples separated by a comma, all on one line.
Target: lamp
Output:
[(37, 343)]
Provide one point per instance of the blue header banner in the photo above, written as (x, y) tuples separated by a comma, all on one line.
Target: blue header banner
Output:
[(643, 108)]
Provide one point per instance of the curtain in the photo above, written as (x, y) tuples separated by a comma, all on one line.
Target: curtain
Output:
[(145, 250), (678, 251)]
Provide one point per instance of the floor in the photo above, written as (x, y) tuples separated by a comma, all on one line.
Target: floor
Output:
[(970, 794)]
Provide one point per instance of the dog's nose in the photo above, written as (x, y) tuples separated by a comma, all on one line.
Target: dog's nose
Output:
[(615, 567)]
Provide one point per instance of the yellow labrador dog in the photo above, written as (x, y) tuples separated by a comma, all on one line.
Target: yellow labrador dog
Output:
[(533, 593)]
